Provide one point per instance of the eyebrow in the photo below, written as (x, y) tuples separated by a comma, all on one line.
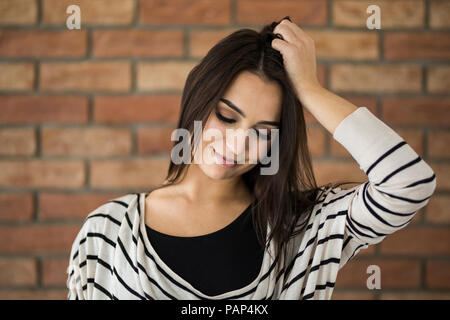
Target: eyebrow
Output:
[(234, 107)]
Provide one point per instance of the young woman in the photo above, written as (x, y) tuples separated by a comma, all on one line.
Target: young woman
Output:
[(224, 230)]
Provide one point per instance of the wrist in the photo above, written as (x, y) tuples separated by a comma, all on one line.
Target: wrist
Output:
[(304, 92)]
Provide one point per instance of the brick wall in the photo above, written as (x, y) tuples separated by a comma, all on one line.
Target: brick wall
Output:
[(80, 108)]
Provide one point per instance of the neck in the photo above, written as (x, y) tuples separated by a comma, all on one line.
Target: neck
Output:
[(199, 188)]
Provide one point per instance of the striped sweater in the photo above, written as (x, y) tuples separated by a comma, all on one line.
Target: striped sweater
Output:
[(112, 258)]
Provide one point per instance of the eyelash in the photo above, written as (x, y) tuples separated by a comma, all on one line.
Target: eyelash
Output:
[(227, 120), (221, 117)]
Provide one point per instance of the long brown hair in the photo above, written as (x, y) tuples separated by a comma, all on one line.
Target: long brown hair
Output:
[(291, 193)]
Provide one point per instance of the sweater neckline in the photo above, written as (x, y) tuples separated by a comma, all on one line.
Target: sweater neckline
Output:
[(213, 234), (247, 288)]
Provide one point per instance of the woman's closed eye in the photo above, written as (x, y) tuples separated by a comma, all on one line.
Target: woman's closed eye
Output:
[(224, 119), (259, 133)]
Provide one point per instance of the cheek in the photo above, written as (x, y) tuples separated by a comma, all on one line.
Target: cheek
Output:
[(214, 123), (258, 149), (214, 130)]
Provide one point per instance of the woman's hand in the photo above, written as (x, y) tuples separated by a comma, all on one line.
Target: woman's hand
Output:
[(299, 56)]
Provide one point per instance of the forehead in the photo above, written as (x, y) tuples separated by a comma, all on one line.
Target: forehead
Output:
[(260, 100)]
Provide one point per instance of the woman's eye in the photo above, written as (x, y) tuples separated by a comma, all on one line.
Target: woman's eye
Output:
[(224, 119)]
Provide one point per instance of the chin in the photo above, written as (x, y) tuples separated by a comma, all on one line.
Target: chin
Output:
[(218, 173)]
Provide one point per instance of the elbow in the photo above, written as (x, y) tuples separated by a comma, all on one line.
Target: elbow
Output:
[(429, 184), (432, 185), (426, 185)]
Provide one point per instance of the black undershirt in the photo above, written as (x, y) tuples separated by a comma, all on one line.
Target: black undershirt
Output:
[(215, 263)]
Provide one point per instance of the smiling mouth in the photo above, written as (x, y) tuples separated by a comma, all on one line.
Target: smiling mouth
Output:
[(226, 162)]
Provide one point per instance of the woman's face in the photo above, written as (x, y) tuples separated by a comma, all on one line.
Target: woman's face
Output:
[(249, 103)]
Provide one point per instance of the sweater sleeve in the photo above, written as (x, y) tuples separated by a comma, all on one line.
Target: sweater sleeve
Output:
[(82, 267), (77, 273), (399, 182)]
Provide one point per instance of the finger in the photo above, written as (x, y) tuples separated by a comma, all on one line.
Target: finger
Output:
[(299, 32), (287, 34), (280, 45)]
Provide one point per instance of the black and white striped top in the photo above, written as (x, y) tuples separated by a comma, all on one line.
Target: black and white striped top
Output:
[(217, 262), (112, 258)]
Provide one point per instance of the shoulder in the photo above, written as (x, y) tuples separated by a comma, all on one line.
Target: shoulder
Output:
[(111, 212), (101, 226), (103, 223)]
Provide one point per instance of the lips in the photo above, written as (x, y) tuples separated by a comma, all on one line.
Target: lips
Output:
[(226, 162)]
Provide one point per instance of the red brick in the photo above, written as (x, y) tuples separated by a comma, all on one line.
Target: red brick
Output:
[(185, 12), (38, 239), (438, 142), (419, 295), (424, 45), (87, 76), (418, 241), (394, 273), (403, 14), (85, 141), (336, 171), (308, 12), (43, 109), (352, 295), (203, 40), (41, 294), (155, 140), (438, 79), (54, 271), (414, 138), (16, 206), (41, 173), (442, 171), (353, 45), (437, 209), (18, 272), (438, 13), (139, 108), (43, 44), (370, 251), (98, 12), (138, 43), (71, 205), (17, 141), (16, 76), (438, 274), (316, 141), (418, 217), (18, 12), (416, 111), (363, 101), (169, 75), (375, 78), (129, 173)]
